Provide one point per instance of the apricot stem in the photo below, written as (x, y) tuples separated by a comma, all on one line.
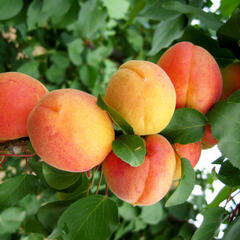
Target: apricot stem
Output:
[(92, 180), (99, 181), (88, 174), (106, 190)]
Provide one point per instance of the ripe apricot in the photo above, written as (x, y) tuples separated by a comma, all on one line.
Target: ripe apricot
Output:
[(143, 94), (69, 131), (19, 93), (147, 183), (195, 75), (191, 151), (231, 83)]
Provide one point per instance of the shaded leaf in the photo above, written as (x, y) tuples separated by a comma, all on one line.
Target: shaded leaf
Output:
[(185, 186), (30, 68), (208, 19), (154, 10), (229, 33), (229, 175), (59, 179), (49, 214)]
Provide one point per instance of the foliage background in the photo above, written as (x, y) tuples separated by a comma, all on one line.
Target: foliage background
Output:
[(80, 44)]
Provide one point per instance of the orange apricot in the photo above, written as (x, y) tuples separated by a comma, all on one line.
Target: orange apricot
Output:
[(69, 131), (195, 75), (143, 94), (147, 183), (19, 93)]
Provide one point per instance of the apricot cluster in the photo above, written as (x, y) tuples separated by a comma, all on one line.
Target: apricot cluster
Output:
[(70, 132)]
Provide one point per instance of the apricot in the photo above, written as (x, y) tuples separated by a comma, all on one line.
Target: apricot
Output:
[(19, 93), (143, 94), (231, 83), (195, 75), (69, 131), (148, 183), (208, 139), (231, 79), (191, 151)]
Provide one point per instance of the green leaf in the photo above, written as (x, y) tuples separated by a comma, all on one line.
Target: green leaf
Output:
[(222, 195), (208, 19), (11, 219), (185, 186), (59, 179), (55, 74), (153, 214), (30, 68), (166, 32), (116, 9), (49, 214), (34, 236), (186, 126), (186, 231), (233, 232), (229, 175), (10, 8), (224, 119), (222, 55), (229, 33), (94, 217), (154, 10), (116, 117), (212, 220), (16, 188), (91, 18), (89, 75), (127, 211), (35, 16), (130, 149), (228, 6), (75, 49), (77, 190), (56, 7), (32, 225), (30, 203)]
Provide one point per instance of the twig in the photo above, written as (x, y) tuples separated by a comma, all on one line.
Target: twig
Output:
[(99, 181)]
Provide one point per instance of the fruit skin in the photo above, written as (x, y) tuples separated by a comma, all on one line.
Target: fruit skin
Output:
[(19, 93), (191, 151), (231, 83), (148, 183), (208, 139), (231, 79), (143, 94), (69, 131), (195, 75)]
